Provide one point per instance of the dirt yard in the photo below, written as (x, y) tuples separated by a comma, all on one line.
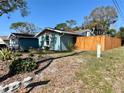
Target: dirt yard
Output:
[(79, 72), (61, 76)]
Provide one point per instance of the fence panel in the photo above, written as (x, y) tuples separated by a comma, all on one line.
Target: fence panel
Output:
[(90, 43)]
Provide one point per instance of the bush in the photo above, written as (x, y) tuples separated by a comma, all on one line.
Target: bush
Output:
[(22, 65), (6, 54)]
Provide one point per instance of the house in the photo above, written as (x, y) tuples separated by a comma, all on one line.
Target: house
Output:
[(86, 32), (23, 41), (56, 40), (4, 41)]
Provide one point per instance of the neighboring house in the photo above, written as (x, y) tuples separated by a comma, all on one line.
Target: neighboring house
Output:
[(56, 40), (86, 32), (22, 41), (4, 41)]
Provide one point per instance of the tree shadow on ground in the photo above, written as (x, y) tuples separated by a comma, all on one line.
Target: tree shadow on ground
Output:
[(43, 60), (36, 84), (3, 78), (49, 60), (76, 53)]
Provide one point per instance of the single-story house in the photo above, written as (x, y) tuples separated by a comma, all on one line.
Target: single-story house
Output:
[(57, 40), (23, 41), (4, 41), (85, 32)]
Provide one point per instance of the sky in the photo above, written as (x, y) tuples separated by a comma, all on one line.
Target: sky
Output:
[(48, 13)]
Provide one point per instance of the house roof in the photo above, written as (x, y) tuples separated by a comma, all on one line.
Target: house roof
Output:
[(59, 31), (22, 35), (81, 32), (4, 37)]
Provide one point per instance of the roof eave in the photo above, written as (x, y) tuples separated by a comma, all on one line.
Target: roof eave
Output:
[(61, 32)]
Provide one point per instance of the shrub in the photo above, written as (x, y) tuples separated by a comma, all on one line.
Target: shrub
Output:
[(6, 54), (22, 65)]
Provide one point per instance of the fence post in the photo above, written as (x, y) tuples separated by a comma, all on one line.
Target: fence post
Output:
[(98, 50)]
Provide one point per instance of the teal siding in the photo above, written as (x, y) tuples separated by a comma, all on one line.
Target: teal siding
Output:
[(66, 40), (41, 41), (58, 42), (54, 41), (26, 43)]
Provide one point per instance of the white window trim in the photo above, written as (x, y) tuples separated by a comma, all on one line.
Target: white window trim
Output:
[(45, 43)]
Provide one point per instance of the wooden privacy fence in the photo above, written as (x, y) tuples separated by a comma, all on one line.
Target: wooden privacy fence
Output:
[(90, 43)]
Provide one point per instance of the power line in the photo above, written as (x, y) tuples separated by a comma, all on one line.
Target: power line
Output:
[(121, 3), (118, 8)]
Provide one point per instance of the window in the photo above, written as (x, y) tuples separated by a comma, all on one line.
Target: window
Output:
[(47, 40)]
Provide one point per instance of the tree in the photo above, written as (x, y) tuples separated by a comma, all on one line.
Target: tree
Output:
[(76, 28), (7, 6), (111, 32), (61, 26), (71, 23), (100, 19), (24, 27), (120, 34)]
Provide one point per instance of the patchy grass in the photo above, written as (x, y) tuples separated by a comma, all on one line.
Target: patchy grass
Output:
[(81, 72), (104, 75)]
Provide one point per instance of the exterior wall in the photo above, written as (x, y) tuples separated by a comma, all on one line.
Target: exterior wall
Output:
[(54, 41), (41, 40), (13, 42), (23, 43), (58, 42), (26, 43), (66, 40)]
